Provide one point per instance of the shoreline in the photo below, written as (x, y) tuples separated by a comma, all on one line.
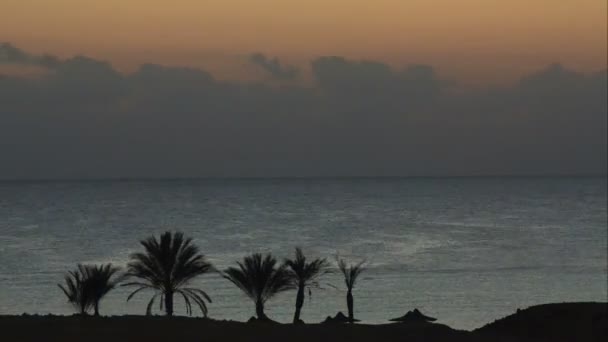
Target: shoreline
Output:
[(547, 322)]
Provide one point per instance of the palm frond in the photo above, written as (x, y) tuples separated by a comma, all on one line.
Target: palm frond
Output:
[(187, 301), (197, 296), (132, 294), (150, 303), (258, 277), (305, 273), (351, 272)]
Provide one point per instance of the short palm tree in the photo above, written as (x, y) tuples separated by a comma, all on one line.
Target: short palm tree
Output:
[(260, 278), (88, 284), (351, 273), (304, 275), (167, 267), (101, 279), (74, 290)]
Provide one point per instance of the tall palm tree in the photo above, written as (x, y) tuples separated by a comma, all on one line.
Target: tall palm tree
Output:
[(304, 275), (88, 284), (167, 267), (351, 273), (260, 279)]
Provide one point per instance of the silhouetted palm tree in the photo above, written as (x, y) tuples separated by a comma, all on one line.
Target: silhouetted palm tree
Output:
[(88, 284), (260, 279), (351, 273), (101, 280), (167, 267), (74, 290), (304, 275)]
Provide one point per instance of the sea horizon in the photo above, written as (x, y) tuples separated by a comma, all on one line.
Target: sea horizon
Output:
[(245, 178)]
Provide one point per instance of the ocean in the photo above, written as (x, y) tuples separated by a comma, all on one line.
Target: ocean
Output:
[(464, 250)]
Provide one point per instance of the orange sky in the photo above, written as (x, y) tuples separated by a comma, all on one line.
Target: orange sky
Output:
[(471, 40)]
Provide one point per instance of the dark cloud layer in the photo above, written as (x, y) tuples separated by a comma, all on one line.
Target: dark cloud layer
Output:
[(274, 67), (84, 119), (12, 54)]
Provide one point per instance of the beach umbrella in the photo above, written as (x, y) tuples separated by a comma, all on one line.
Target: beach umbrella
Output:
[(413, 316), (338, 318)]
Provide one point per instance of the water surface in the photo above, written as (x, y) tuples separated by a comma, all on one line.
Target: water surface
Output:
[(465, 250)]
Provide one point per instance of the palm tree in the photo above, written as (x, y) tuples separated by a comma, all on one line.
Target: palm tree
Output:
[(260, 279), (88, 284), (351, 273), (74, 290), (167, 267), (100, 280), (304, 275)]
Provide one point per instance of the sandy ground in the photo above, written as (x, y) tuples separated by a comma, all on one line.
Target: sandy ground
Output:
[(551, 322)]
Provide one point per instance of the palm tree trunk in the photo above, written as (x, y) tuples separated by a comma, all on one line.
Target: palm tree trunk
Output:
[(83, 309), (299, 304), (259, 310), (169, 303), (350, 303)]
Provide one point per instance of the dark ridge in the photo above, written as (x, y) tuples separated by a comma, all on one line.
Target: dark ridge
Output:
[(551, 322), (554, 322), (183, 329)]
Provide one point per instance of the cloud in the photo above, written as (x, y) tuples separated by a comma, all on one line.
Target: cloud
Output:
[(372, 83), (10, 54), (274, 67), (87, 120)]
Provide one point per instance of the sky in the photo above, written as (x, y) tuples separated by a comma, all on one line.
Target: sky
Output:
[(238, 88), (477, 41)]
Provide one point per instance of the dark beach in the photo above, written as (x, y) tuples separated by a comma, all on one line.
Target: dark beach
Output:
[(549, 322)]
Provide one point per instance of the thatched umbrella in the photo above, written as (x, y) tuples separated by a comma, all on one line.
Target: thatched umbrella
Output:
[(413, 316), (338, 318)]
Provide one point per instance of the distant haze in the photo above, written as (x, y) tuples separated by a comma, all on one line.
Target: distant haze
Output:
[(155, 89)]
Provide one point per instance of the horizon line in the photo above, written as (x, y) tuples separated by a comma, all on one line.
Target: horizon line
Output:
[(254, 178)]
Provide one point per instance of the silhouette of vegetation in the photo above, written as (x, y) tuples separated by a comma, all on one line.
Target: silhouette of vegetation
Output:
[(74, 290), (88, 284), (167, 267), (101, 280), (351, 273), (304, 275), (260, 279)]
